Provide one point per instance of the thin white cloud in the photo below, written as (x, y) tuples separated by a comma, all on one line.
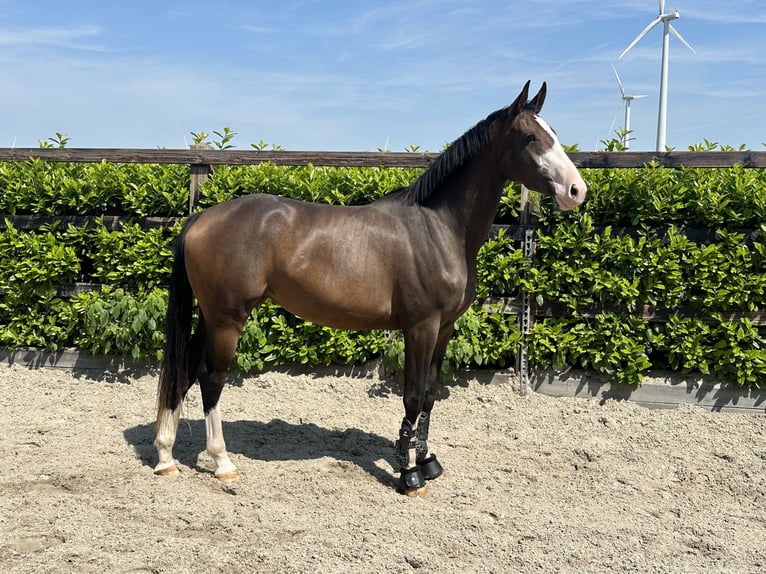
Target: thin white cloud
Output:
[(51, 36), (257, 29), (741, 12)]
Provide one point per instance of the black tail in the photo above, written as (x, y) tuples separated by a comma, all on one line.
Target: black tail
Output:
[(174, 369)]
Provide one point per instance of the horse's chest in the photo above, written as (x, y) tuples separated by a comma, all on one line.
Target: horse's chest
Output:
[(450, 285)]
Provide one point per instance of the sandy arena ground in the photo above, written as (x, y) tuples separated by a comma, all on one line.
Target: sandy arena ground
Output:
[(533, 484)]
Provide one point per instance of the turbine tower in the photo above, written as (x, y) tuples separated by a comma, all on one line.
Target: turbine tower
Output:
[(667, 29), (626, 99)]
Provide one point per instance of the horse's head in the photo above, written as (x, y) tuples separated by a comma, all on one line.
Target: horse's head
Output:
[(534, 156)]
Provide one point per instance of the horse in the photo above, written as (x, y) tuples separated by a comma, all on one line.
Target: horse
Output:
[(406, 261)]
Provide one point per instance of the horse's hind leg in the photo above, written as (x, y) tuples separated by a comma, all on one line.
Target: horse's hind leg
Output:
[(220, 348), (169, 414)]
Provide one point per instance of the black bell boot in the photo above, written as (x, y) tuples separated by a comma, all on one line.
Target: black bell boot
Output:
[(428, 464)]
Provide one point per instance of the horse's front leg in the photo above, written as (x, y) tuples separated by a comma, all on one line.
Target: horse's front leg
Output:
[(426, 460), (419, 345), (429, 466)]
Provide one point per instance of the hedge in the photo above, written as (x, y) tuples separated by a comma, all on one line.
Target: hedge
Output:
[(584, 258)]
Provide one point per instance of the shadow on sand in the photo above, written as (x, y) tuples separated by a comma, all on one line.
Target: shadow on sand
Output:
[(276, 440)]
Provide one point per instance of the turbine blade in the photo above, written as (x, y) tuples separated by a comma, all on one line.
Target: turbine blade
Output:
[(641, 96), (614, 119), (619, 83), (643, 33), (662, 6), (677, 35)]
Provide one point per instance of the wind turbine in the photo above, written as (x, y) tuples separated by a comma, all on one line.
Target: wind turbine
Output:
[(667, 29), (626, 99)]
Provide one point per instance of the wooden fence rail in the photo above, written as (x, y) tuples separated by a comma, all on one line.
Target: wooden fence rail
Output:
[(205, 156)]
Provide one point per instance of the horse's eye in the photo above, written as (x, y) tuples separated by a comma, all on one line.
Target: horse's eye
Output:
[(529, 139)]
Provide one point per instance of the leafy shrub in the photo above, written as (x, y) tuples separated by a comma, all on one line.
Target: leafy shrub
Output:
[(500, 266), (156, 190), (654, 196), (274, 336), (584, 259), (482, 339), (132, 257), (609, 343), (45, 188), (35, 261), (35, 319), (342, 186), (118, 322)]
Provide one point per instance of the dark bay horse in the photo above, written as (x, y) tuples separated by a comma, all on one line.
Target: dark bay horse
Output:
[(406, 261)]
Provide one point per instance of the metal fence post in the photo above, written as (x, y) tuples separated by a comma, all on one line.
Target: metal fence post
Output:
[(525, 318), (526, 218)]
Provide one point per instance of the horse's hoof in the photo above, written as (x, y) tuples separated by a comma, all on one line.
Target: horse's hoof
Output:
[(411, 482), (430, 467), (167, 471), (227, 477), (421, 492)]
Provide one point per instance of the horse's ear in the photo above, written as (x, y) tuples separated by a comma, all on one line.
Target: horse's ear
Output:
[(520, 102), (537, 102)]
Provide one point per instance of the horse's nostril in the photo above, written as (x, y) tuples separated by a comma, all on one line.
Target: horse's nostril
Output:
[(573, 191)]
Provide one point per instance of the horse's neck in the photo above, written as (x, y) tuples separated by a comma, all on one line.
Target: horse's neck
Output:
[(473, 203)]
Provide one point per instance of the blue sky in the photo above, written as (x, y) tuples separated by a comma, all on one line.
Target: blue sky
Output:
[(360, 75)]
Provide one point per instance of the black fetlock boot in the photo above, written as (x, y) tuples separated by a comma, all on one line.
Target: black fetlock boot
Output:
[(411, 479), (428, 464)]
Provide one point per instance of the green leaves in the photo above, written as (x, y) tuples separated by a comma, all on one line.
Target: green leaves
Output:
[(34, 263), (132, 257), (500, 267), (37, 260), (653, 196), (609, 343), (44, 188), (585, 261), (482, 339), (340, 186), (276, 337), (117, 322), (582, 262)]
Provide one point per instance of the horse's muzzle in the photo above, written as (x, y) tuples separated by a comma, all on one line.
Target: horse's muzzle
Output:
[(570, 196)]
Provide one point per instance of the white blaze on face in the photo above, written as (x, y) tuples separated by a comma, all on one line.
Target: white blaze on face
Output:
[(555, 164)]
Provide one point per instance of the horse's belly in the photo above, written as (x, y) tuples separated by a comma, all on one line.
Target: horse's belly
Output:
[(349, 308)]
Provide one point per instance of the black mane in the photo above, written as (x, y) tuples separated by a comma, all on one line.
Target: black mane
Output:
[(463, 149)]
